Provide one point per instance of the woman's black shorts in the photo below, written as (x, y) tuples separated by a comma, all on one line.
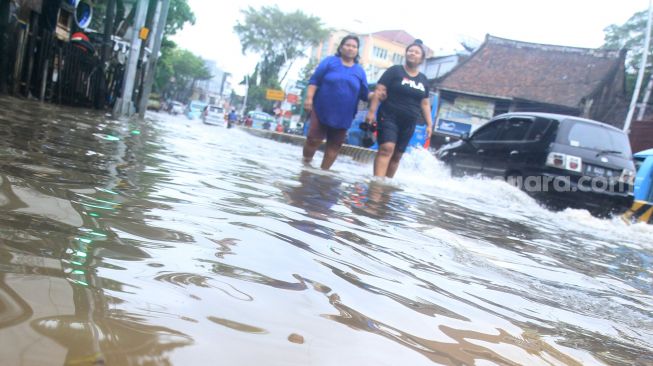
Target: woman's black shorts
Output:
[(395, 128)]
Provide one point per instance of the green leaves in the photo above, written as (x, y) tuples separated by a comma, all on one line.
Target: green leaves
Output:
[(279, 38), (630, 35), (177, 68), (179, 14)]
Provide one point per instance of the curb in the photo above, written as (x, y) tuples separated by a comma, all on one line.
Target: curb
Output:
[(357, 153)]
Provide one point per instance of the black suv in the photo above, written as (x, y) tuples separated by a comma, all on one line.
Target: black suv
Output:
[(563, 160)]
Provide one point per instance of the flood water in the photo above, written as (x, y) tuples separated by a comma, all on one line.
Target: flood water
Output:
[(169, 242)]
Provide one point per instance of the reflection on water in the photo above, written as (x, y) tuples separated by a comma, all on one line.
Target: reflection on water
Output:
[(167, 241)]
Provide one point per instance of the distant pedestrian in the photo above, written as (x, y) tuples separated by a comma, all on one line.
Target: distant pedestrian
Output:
[(405, 96), (232, 118), (334, 90)]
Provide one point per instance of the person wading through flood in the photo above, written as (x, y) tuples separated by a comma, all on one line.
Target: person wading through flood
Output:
[(334, 90), (405, 96)]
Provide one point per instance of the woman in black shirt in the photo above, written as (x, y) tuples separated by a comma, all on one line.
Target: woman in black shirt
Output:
[(405, 96)]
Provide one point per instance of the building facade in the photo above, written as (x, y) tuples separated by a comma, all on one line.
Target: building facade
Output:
[(378, 51), (506, 75), (216, 90)]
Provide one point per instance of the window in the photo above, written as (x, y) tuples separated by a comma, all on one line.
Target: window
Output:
[(597, 137), (397, 59), (538, 129), (380, 53), (515, 129), (489, 131)]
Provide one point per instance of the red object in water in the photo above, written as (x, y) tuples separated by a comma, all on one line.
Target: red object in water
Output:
[(81, 41), (79, 36)]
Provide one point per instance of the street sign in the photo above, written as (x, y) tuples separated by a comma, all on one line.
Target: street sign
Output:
[(274, 94), (292, 98)]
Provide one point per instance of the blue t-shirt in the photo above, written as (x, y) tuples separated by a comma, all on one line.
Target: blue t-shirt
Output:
[(339, 88)]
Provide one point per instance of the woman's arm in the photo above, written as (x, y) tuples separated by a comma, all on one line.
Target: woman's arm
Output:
[(379, 95), (310, 93), (314, 82), (426, 112)]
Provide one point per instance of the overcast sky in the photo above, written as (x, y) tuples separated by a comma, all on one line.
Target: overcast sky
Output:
[(441, 24)]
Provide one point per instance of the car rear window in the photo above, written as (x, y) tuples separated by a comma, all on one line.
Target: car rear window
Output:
[(598, 138), (216, 109)]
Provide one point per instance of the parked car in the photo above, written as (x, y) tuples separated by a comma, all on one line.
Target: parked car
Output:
[(214, 115), (176, 108), (194, 109), (563, 160), (642, 208)]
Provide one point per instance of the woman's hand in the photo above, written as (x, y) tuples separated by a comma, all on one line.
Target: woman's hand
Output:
[(429, 131), (308, 105), (369, 118)]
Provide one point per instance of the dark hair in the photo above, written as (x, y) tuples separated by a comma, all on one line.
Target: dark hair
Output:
[(342, 43), (418, 42)]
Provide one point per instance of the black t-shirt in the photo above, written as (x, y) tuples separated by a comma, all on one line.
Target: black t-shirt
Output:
[(405, 93)]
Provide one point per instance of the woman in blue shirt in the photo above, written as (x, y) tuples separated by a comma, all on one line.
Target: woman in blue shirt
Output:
[(334, 90)]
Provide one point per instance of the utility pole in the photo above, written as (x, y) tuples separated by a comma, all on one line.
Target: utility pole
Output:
[(154, 57), (104, 55), (4, 41), (123, 106), (242, 113), (647, 96), (640, 74)]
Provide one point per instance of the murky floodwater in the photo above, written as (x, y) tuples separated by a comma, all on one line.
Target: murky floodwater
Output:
[(171, 242)]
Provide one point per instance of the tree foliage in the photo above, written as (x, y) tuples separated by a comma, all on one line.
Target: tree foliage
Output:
[(629, 35), (308, 70), (177, 71), (179, 13), (279, 38)]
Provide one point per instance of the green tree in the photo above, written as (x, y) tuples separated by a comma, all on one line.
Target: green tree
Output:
[(280, 39), (178, 71), (308, 70), (179, 14), (630, 36)]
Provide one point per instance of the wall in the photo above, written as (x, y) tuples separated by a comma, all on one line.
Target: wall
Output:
[(641, 135)]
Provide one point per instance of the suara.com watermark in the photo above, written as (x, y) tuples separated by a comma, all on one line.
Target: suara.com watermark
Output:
[(561, 184)]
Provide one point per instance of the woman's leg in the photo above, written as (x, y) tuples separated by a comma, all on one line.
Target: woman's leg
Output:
[(403, 138), (314, 139), (310, 147), (382, 159), (394, 164), (335, 138), (330, 154)]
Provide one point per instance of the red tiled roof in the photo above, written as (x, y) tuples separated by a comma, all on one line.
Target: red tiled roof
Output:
[(549, 74)]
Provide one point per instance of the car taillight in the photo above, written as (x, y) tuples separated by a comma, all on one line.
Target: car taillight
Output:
[(574, 163), (555, 160), (564, 161)]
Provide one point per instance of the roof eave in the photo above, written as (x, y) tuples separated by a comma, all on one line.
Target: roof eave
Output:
[(474, 94)]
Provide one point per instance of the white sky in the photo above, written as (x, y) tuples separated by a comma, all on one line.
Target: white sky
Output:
[(440, 24)]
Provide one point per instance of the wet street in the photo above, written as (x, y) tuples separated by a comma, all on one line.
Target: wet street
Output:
[(170, 242)]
